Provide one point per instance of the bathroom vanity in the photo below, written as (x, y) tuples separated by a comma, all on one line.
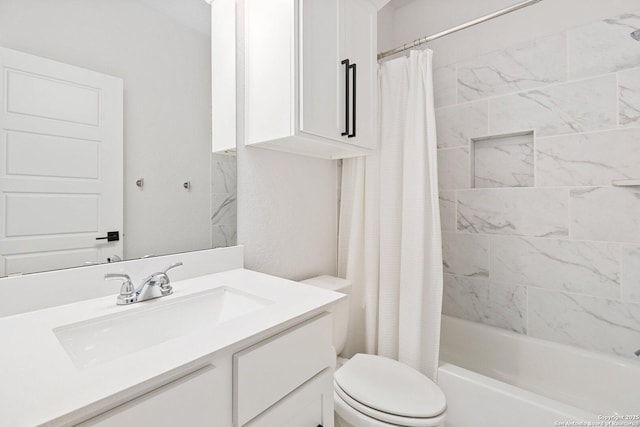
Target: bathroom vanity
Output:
[(233, 348)]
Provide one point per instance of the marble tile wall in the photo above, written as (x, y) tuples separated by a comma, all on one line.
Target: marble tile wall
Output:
[(455, 170), (223, 200), (571, 107), (534, 64), (536, 239), (456, 124), (513, 211)]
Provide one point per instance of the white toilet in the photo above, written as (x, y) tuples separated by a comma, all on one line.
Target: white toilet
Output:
[(375, 391)]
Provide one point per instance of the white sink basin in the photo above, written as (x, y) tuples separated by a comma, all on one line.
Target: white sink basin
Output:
[(106, 338)]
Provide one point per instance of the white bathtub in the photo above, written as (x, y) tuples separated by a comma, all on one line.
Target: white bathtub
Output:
[(495, 378)]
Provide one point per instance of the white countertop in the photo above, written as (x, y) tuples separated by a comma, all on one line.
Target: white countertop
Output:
[(40, 384)]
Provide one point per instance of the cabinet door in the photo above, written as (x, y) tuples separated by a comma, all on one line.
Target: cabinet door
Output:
[(310, 405), (268, 371), (319, 67), (359, 27), (189, 401)]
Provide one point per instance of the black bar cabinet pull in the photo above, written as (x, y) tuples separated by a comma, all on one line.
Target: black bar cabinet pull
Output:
[(351, 135), (345, 62)]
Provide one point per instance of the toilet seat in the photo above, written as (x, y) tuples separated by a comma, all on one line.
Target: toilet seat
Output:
[(389, 391), (344, 403)]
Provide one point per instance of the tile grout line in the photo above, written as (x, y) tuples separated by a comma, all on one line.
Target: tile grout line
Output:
[(544, 239)]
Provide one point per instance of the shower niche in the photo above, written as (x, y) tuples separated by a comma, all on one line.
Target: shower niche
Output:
[(502, 160)]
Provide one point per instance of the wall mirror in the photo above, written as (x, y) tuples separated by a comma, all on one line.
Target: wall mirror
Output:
[(106, 142)]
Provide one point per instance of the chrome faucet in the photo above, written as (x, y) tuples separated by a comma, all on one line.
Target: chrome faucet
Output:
[(155, 286)]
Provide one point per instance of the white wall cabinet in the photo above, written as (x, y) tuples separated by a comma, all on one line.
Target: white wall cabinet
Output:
[(310, 76), (284, 380)]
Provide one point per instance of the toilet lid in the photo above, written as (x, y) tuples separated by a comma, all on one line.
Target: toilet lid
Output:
[(389, 386)]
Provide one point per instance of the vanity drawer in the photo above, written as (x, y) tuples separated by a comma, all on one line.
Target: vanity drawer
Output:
[(311, 404), (266, 372), (190, 400)]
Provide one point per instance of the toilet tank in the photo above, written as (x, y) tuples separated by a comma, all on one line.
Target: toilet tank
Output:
[(340, 310)]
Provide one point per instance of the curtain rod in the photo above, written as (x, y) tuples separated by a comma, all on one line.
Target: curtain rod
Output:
[(471, 23)]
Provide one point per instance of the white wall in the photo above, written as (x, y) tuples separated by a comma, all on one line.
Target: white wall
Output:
[(386, 29), (423, 17), (167, 125), (287, 213)]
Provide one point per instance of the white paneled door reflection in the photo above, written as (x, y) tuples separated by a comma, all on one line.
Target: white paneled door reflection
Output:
[(61, 145)]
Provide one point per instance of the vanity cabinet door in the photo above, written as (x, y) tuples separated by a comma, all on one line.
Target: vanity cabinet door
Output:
[(189, 401), (270, 370), (310, 405)]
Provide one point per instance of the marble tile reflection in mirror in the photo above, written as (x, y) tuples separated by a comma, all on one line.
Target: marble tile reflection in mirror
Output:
[(223, 199)]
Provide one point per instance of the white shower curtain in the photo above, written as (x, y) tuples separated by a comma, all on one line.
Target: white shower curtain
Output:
[(390, 238)]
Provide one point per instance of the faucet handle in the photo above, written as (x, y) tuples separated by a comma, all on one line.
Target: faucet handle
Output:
[(165, 286), (126, 290), (172, 266), (117, 276)]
